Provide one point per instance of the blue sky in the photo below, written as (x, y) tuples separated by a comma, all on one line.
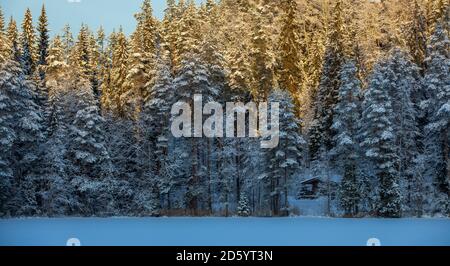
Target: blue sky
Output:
[(109, 13)]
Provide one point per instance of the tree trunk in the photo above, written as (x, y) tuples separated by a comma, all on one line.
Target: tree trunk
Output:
[(446, 159), (193, 202), (209, 176), (286, 203)]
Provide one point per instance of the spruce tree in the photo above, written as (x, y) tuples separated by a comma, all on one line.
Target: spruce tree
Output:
[(21, 135), (56, 67), (13, 36), (403, 80), (141, 61), (103, 64), (170, 32), (437, 87), (416, 34), (263, 58), (239, 71), (290, 64), (43, 42), (56, 75), (378, 141), (113, 94), (60, 193), (284, 160), (67, 39), (321, 134), (346, 125), (155, 123), (8, 106), (56, 193), (80, 55), (28, 57), (188, 30), (193, 78), (146, 32), (94, 61), (90, 167), (159, 103), (5, 45), (101, 39)]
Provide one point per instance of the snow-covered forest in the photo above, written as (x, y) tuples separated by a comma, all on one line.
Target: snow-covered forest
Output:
[(363, 87)]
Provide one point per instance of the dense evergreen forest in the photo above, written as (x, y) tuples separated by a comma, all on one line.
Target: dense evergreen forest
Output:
[(363, 87)]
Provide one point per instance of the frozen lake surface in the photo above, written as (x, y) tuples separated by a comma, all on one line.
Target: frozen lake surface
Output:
[(224, 231)]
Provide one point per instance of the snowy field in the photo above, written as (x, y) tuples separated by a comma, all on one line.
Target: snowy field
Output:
[(222, 231)]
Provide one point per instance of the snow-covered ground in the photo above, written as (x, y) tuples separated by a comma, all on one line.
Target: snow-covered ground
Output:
[(315, 208), (223, 231)]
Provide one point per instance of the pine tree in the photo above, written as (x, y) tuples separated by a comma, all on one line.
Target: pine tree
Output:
[(403, 89), (68, 41), (90, 166), (239, 71), (212, 54), (437, 87), (43, 42), (416, 34), (57, 72), (284, 160), (212, 50), (103, 64), (101, 39), (80, 56), (159, 101), (291, 74), (146, 32), (56, 67), (321, 134), (113, 90), (5, 44), (346, 125), (263, 58), (8, 106), (155, 123), (193, 78), (40, 96), (56, 194), (13, 36), (28, 57), (141, 61), (189, 32), (238, 48), (94, 61), (54, 191), (122, 145), (107, 72), (386, 39), (313, 49), (378, 140), (229, 161), (169, 32), (21, 135)]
